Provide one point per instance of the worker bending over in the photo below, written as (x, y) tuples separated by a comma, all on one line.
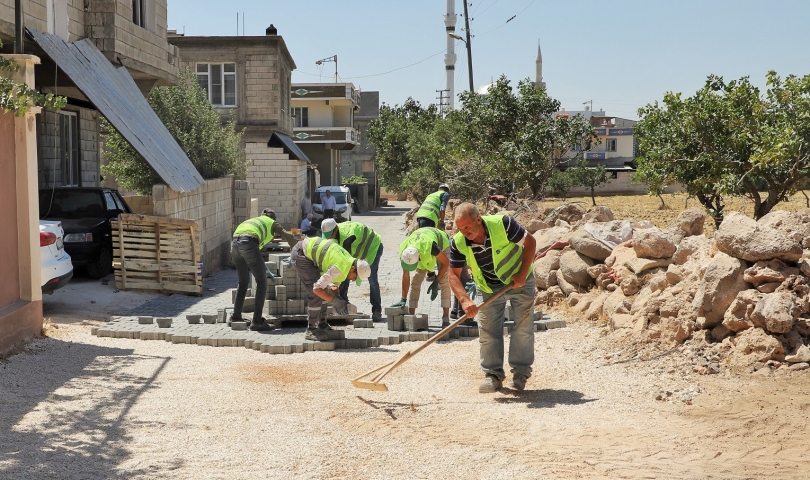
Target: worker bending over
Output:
[(431, 212), (420, 252)]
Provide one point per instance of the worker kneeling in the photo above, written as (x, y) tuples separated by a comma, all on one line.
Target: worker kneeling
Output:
[(420, 252), (321, 264)]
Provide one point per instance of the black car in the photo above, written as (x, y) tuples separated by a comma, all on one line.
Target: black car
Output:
[(85, 213)]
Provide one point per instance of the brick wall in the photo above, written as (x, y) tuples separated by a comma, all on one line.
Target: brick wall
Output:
[(211, 206), (49, 147), (277, 181), (244, 205), (140, 204)]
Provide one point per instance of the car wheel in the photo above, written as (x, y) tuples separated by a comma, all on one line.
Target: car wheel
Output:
[(102, 266)]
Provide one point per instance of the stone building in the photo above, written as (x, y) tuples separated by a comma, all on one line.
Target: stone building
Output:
[(361, 159), (247, 78), (129, 33)]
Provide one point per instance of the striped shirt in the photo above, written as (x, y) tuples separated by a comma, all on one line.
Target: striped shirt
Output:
[(515, 233)]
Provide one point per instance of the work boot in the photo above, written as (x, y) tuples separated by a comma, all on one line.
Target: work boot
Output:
[(261, 326), (316, 334), (491, 384), (518, 382), (454, 314), (232, 319), (376, 317), (324, 325), (445, 322)]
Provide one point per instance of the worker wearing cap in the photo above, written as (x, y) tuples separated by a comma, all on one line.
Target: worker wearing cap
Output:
[(420, 252), (499, 253), (431, 212), (320, 264), (362, 243), (248, 240)]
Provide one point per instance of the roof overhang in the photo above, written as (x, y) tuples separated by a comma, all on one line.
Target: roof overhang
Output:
[(116, 95), (279, 140)]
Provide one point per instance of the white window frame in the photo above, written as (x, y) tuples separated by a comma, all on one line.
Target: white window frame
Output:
[(223, 74), (611, 142), (298, 113)]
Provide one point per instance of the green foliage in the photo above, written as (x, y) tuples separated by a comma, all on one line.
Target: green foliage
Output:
[(212, 147), (590, 177), (561, 182), (17, 98), (730, 140), (353, 179)]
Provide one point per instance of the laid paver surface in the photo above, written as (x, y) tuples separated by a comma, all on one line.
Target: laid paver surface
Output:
[(217, 297)]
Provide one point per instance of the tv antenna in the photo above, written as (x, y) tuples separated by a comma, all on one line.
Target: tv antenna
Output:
[(333, 58)]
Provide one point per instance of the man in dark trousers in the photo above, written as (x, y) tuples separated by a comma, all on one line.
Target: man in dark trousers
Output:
[(246, 249)]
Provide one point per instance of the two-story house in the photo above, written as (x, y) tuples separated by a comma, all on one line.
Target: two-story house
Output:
[(69, 36), (361, 159), (247, 78)]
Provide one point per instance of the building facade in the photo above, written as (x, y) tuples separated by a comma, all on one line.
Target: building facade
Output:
[(361, 159), (616, 146), (324, 116)]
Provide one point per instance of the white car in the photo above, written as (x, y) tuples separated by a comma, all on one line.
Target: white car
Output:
[(343, 203), (57, 269)]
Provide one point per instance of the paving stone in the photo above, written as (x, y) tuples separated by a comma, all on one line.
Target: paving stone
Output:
[(396, 323), (414, 323), (210, 319), (145, 320), (194, 318), (239, 325), (363, 323)]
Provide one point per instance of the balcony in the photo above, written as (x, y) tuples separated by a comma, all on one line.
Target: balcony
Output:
[(342, 93), (339, 138)]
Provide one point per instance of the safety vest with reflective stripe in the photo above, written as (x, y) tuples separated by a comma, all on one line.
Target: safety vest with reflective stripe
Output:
[(326, 253), (431, 207), (506, 256), (423, 239), (366, 241), (261, 226)]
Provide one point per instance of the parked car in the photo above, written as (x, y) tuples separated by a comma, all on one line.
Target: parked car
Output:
[(85, 213), (57, 270), (343, 201)]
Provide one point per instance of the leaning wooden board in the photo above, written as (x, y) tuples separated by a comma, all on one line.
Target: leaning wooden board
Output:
[(157, 254)]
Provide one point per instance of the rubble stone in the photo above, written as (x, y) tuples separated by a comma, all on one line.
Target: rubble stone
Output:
[(718, 288), (768, 272), (653, 243), (776, 312), (545, 269), (585, 243), (574, 268), (534, 225), (795, 226), (548, 237), (691, 222), (742, 237), (738, 315)]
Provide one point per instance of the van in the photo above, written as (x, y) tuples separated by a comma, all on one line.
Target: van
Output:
[(343, 203)]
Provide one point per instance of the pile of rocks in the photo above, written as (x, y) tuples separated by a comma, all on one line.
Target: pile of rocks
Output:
[(744, 294)]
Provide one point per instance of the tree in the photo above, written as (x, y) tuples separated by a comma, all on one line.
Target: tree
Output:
[(589, 177), (730, 140), (655, 183), (17, 98), (212, 147), (408, 147), (561, 182), (518, 134)]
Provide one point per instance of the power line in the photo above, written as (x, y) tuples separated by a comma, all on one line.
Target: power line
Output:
[(510, 18)]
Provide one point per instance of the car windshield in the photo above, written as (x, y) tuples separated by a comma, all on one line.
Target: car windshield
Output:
[(340, 197), (70, 203)]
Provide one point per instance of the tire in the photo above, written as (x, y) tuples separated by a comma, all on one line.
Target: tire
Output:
[(102, 266)]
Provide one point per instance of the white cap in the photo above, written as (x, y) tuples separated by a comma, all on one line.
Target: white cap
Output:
[(327, 226), (363, 270), (409, 258)]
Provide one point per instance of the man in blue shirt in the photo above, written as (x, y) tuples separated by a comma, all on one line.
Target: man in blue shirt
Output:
[(306, 225), (329, 205)]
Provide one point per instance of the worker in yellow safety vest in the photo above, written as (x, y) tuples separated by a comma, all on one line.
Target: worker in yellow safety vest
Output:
[(421, 252), (431, 212)]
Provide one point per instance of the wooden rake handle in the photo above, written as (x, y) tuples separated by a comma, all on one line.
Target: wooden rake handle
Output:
[(386, 369)]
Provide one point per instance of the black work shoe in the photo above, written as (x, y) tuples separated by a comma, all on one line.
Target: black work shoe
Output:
[(518, 382), (491, 384), (470, 322), (376, 317), (454, 314), (262, 326), (324, 325), (316, 334)]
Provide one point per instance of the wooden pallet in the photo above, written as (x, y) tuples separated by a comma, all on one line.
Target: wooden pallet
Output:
[(157, 254)]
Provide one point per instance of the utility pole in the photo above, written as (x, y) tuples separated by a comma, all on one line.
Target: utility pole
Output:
[(444, 99), (333, 58), (469, 45)]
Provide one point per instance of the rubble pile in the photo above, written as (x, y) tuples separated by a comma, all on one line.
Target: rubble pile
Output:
[(740, 298)]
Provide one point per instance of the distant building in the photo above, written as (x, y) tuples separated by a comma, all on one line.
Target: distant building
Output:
[(617, 144), (361, 160), (324, 124)]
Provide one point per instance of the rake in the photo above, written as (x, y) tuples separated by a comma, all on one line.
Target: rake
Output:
[(381, 372)]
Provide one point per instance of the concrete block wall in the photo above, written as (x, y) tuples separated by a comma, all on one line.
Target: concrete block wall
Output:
[(277, 181), (49, 147), (140, 204), (241, 202), (621, 185), (211, 206)]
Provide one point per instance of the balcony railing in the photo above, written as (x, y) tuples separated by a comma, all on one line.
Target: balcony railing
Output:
[(326, 135)]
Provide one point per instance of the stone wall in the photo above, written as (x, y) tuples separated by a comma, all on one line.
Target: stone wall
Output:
[(244, 205), (211, 206), (621, 185), (277, 181)]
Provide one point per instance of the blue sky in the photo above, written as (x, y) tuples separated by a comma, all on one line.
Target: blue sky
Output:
[(622, 54)]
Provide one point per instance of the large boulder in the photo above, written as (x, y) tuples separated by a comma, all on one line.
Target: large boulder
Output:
[(569, 213), (653, 243), (534, 225), (776, 312), (742, 237), (549, 236), (719, 286), (690, 222), (754, 346), (768, 272), (545, 269), (795, 226), (584, 243), (596, 214), (697, 248), (574, 269), (738, 315)]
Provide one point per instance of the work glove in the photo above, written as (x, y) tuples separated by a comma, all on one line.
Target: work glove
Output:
[(470, 287), (399, 304), (442, 225), (433, 289), (271, 277), (340, 305)]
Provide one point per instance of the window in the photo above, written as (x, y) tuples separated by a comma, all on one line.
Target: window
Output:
[(139, 12), (301, 116), (108, 199), (69, 141), (610, 145), (219, 82)]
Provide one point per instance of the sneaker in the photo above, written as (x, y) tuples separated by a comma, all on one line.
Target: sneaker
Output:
[(262, 326), (518, 382), (445, 322), (316, 334), (376, 317), (324, 325), (491, 384), (454, 314)]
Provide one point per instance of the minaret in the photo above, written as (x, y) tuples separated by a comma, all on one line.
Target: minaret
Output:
[(538, 74), (450, 56)]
